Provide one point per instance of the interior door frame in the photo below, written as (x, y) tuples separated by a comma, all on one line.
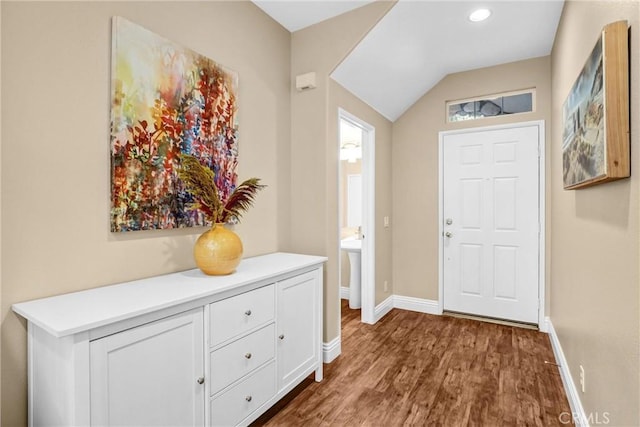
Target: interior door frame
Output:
[(542, 324), (368, 251)]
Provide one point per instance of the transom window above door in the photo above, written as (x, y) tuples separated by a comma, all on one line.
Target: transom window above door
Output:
[(491, 106)]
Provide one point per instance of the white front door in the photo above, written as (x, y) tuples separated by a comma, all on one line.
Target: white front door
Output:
[(491, 223)]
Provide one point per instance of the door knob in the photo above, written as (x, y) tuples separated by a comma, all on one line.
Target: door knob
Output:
[(200, 380), (248, 312), (448, 234), (248, 355), (281, 336), (449, 221)]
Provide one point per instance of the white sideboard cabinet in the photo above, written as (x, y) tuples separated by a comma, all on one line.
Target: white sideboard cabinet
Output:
[(182, 349)]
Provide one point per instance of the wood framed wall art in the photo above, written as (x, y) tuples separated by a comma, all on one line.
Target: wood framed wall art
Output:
[(595, 137)]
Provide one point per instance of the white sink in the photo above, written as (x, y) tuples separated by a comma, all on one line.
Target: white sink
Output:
[(353, 248), (351, 245)]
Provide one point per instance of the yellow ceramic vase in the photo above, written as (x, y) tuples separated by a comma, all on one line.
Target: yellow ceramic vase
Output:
[(218, 251)]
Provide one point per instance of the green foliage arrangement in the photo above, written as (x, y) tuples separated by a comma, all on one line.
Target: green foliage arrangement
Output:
[(199, 180)]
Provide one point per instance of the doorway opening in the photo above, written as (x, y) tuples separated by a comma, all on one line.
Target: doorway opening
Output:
[(356, 213)]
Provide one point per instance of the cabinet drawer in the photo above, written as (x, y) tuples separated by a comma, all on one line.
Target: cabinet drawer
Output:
[(235, 360), (236, 315), (237, 403)]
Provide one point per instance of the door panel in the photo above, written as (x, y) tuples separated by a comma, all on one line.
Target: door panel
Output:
[(471, 268), (504, 196), (297, 311), (491, 197), (471, 203), (504, 267), (147, 376)]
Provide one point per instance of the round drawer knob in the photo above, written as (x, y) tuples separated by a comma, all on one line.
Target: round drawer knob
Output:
[(248, 398), (248, 355), (200, 380), (281, 336), (248, 312)]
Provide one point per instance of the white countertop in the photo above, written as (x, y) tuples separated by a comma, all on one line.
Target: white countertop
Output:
[(81, 311)]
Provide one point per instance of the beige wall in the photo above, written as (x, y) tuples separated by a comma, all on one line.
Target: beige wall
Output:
[(415, 163), (341, 98), (314, 147), (55, 151), (595, 302)]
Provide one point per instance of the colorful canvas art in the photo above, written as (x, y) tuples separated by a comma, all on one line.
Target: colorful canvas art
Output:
[(166, 100)]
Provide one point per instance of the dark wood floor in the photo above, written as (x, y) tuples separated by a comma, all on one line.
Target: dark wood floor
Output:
[(418, 369)]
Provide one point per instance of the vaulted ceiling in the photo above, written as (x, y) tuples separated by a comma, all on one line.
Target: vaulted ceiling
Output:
[(295, 15), (417, 43)]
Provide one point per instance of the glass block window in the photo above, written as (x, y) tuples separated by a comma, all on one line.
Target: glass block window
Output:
[(491, 106)]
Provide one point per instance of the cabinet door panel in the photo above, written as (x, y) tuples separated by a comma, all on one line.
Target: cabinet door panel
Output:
[(147, 376), (297, 322)]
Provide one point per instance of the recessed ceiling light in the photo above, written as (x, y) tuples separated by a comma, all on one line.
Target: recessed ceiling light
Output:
[(479, 15)]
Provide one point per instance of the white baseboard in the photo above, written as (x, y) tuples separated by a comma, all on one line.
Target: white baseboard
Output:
[(416, 304), (331, 350), (544, 325), (579, 416), (383, 308), (344, 292)]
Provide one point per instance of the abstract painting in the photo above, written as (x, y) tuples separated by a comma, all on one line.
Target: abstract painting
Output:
[(595, 137), (166, 100)]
